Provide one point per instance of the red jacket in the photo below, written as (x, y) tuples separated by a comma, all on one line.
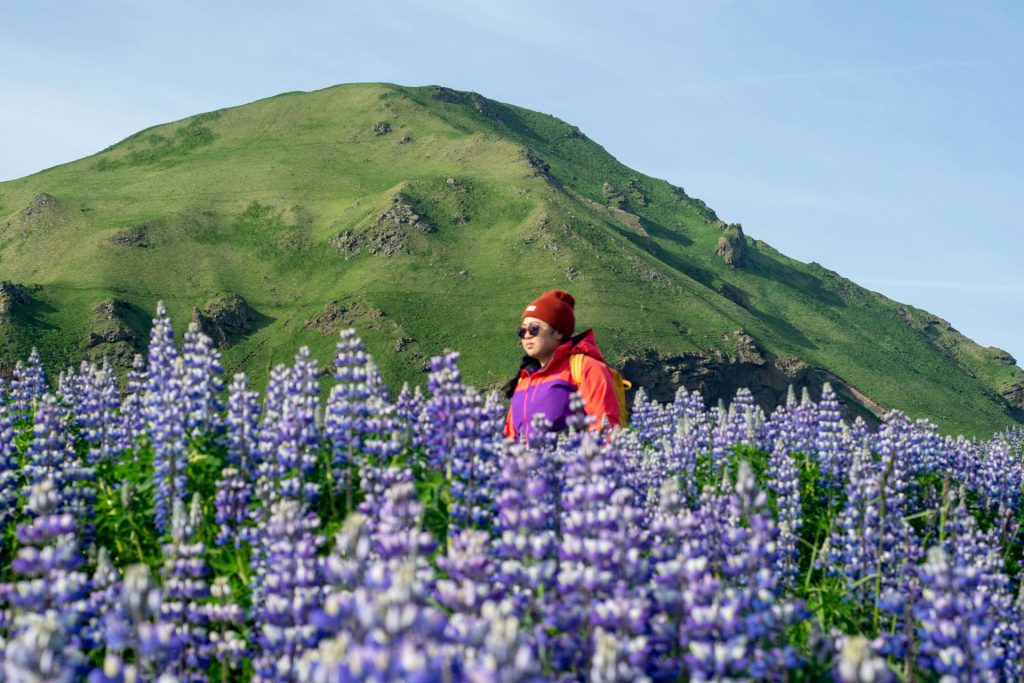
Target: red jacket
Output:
[(547, 390)]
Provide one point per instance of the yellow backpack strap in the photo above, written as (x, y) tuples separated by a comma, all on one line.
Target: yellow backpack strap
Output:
[(576, 368)]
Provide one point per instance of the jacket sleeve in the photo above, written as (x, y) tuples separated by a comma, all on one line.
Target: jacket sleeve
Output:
[(598, 393), (510, 431)]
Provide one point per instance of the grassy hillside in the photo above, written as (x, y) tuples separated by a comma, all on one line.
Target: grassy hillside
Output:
[(304, 199)]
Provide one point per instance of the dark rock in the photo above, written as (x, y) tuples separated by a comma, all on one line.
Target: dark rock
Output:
[(717, 375), (225, 319), (335, 316), (460, 219), (111, 335), (405, 139), (540, 168), (12, 295), (1015, 394), (732, 246), (572, 274), (136, 237), (403, 344), (382, 128)]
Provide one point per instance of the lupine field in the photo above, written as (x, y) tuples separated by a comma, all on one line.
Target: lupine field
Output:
[(178, 529)]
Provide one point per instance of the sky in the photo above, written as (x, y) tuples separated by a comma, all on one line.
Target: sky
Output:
[(881, 139)]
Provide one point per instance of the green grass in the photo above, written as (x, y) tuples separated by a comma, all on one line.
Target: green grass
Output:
[(246, 200)]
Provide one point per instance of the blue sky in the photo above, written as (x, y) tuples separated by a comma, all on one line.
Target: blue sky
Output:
[(883, 140)]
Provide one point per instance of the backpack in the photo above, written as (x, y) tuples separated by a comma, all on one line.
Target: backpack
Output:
[(620, 383)]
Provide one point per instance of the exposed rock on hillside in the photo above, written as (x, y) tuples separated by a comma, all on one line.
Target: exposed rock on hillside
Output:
[(732, 246), (111, 335), (382, 128), (336, 316), (12, 295), (615, 197), (486, 107), (717, 375), (389, 233), (225, 319), (540, 168), (136, 237), (41, 206)]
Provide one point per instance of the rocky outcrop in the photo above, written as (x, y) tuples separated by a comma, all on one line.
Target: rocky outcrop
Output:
[(615, 197), (42, 206), (389, 234), (382, 128), (12, 295), (541, 169), (336, 316), (111, 334), (136, 237), (732, 246), (225, 319), (719, 375)]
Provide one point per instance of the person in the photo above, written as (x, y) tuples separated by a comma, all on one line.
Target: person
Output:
[(545, 383)]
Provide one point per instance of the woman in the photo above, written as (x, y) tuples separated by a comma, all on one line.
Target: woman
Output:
[(545, 381)]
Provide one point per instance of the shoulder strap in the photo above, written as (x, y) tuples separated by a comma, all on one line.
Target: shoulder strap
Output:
[(576, 368)]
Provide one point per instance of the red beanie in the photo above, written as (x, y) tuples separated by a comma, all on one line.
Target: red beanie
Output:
[(556, 309)]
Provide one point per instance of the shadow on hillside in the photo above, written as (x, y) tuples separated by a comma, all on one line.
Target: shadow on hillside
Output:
[(660, 232), (31, 315), (767, 266)]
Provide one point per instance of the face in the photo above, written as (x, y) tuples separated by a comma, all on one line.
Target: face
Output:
[(543, 345)]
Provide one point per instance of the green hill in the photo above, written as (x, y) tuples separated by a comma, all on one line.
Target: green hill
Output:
[(427, 218)]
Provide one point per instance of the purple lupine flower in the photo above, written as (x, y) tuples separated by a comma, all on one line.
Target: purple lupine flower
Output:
[(184, 578), (525, 528), (135, 628), (439, 422), (647, 418), (51, 586), (41, 650), (390, 633), (472, 465), (834, 458), (51, 456), (979, 554), (95, 407), (9, 469), (27, 384), (956, 621), (293, 590), (202, 383), (133, 407), (165, 410), (104, 589), (162, 351), (783, 481), (410, 405), (601, 551), (348, 411), (736, 616), (234, 494), (398, 533)]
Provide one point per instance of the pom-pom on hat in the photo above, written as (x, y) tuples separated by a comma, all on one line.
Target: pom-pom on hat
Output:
[(556, 309)]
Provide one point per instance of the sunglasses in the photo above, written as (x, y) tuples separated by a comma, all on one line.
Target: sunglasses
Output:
[(533, 329)]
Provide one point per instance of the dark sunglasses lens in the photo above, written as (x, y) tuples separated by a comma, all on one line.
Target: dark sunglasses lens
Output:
[(533, 329), (521, 332)]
